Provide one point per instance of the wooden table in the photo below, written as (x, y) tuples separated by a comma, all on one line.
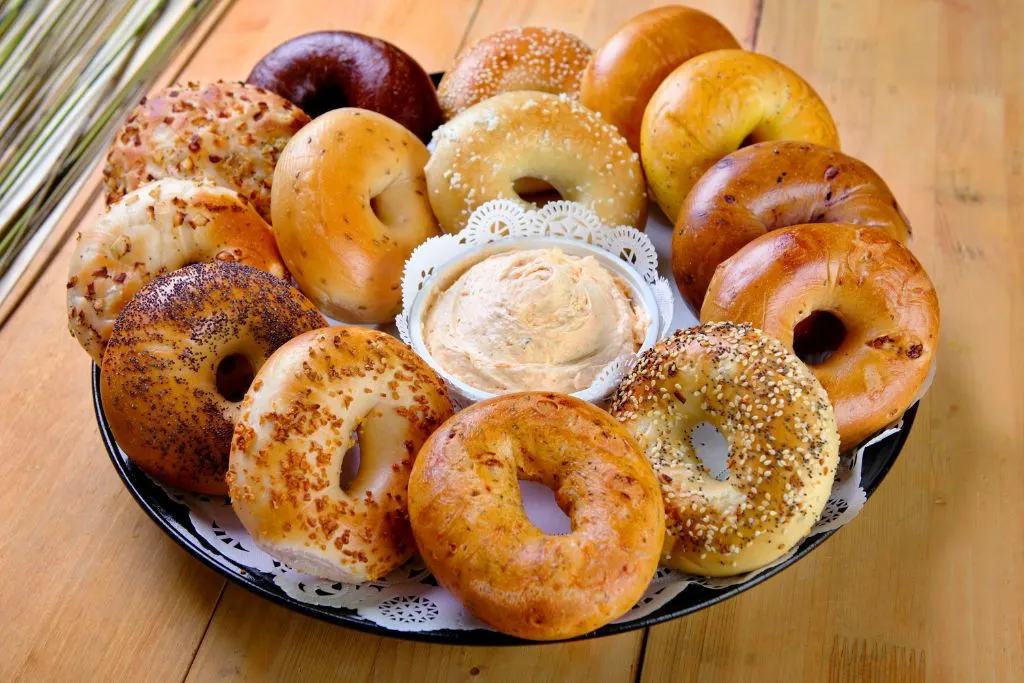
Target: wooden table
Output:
[(927, 584)]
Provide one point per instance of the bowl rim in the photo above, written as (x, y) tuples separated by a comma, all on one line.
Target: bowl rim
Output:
[(447, 272)]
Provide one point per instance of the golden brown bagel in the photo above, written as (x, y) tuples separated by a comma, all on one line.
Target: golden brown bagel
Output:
[(528, 58), (773, 185), (714, 103), (158, 228), (314, 399), (781, 435), (870, 282), (625, 71), (350, 205), (468, 519), (479, 155), (229, 133), (179, 360)]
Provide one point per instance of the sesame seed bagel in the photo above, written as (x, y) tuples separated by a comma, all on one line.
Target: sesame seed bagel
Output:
[(179, 359), (350, 207), (715, 103), (158, 228), (874, 285), (781, 434), (320, 395), (481, 153), (467, 514), (528, 58), (229, 133)]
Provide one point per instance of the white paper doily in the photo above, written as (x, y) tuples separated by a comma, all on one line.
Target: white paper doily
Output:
[(503, 220)]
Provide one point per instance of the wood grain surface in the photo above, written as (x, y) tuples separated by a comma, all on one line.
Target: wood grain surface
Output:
[(926, 585)]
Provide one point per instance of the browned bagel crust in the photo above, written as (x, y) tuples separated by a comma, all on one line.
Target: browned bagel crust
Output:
[(872, 283), (158, 384), (329, 70), (772, 185), (468, 519)]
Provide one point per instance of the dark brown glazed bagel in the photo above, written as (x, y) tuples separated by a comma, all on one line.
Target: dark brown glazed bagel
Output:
[(772, 185), (329, 70)]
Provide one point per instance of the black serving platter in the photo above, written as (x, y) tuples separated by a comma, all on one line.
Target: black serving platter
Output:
[(173, 518)]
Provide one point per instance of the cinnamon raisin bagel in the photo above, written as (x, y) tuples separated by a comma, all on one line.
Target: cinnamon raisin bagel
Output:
[(318, 397), (158, 228), (229, 133), (779, 429), (713, 104), (333, 69), (350, 205), (771, 185), (528, 58), (468, 519), (624, 72), (180, 358), (883, 298), (481, 153)]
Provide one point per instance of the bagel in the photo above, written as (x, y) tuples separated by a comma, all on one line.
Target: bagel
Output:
[(350, 206), (624, 72), (779, 428), (228, 133), (771, 185), (529, 58), (153, 230), (179, 360), (317, 397), (329, 70), (468, 519), (870, 282), (711, 105), (481, 153)]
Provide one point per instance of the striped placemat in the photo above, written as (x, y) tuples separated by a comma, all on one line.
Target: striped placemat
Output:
[(69, 71)]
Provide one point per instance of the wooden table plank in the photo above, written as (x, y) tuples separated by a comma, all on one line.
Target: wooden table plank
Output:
[(927, 584)]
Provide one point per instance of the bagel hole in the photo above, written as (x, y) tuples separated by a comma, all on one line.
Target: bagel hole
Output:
[(542, 508), (352, 461), (234, 375), (536, 191), (378, 209), (712, 449), (817, 337)]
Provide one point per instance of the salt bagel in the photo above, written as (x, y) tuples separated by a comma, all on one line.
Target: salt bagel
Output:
[(481, 153), (711, 105), (771, 185), (179, 359), (228, 133), (870, 282), (624, 72), (781, 434), (527, 58), (468, 519), (315, 398), (158, 228), (349, 206)]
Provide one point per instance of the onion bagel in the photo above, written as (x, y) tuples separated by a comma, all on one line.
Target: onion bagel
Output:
[(781, 435), (229, 133), (714, 103), (875, 287), (179, 360), (468, 519), (314, 400)]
